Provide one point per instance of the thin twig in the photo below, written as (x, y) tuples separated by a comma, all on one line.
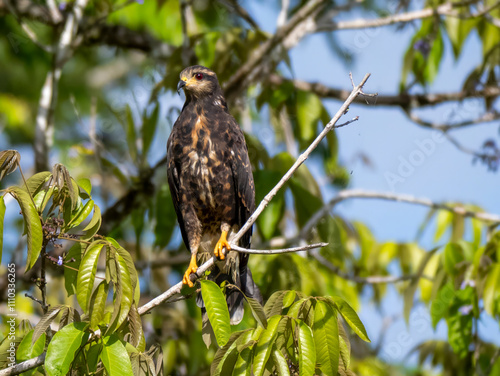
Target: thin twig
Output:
[(358, 193), (404, 100), (277, 251), (48, 98), (23, 366), (447, 9)]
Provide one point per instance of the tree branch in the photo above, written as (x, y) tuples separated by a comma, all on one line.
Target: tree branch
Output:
[(23, 366), (447, 9), (358, 193), (277, 251), (48, 98), (403, 100)]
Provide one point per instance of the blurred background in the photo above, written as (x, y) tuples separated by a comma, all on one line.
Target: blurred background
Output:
[(103, 101)]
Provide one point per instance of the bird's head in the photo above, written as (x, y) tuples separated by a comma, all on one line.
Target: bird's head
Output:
[(198, 81)]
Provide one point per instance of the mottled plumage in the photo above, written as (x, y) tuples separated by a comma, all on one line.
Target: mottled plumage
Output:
[(211, 183)]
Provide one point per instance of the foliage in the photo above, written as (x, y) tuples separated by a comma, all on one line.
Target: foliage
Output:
[(102, 240)]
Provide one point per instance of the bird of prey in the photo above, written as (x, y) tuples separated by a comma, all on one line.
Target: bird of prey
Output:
[(211, 184)]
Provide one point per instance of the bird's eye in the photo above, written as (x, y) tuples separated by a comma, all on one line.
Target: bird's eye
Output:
[(198, 76)]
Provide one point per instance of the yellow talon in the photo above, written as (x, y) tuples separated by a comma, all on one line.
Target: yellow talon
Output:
[(192, 268), (222, 243)]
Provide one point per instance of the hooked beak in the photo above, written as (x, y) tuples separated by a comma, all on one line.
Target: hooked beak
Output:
[(180, 85)]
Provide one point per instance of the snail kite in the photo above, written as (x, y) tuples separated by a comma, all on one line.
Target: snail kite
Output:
[(211, 184)]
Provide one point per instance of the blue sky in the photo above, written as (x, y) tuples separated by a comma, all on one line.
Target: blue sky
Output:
[(387, 137)]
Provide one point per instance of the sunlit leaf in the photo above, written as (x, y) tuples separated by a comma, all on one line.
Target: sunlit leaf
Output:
[(217, 311), (326, 337), (264, 347), (63, 347), (86, 274), (307, 350), (32, 223), (98, 304), (114, 357), (27, 350), (351, 317)]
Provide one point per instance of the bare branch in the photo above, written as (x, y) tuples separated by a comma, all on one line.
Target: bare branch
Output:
[(48, 98), (23, 366), (277, 251), (357, 193), (487, 117), (447, 9), (403, 100)]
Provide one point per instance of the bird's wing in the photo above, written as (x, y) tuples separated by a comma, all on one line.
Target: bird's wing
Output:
[(174, 185), (243, 180)]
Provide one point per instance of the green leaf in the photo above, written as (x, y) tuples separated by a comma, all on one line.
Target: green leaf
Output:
[(45, 322), (444, 221), (114, 357), (412, 287), (281, 363), (148, 130), (326, 337), (32, 223), (217, 311), (70, 274), (86, 274), (453, 255), (131, 133), (264, 346), (289, 298), (226, 356), (36, 181), (257, 311), (124, 294), (440, 305), (81, 215), (344, 347), (460, 333), (28, 350), (2, 215), (271, 217), (491, 292), (94, 224), (62, 348), (458, 31), (309, 110), (351, 317), (165, 217), (98, 304), (274, 304), (85, 184), (307, 350), (93, 357)]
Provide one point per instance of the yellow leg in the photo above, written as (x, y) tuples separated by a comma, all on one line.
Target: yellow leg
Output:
[(192, 268), (220, 245)]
